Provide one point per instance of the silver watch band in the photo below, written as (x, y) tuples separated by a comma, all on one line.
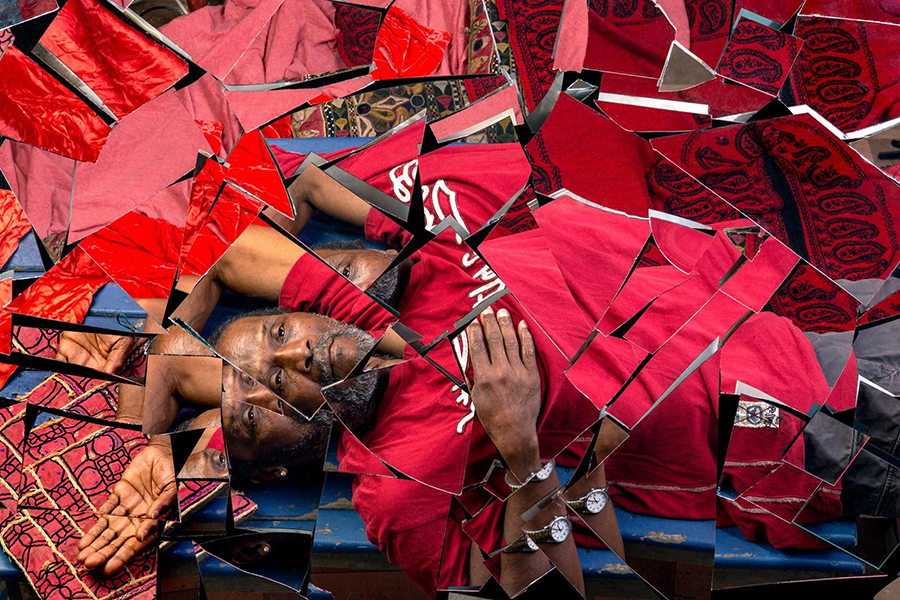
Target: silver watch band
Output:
[(541, 475)]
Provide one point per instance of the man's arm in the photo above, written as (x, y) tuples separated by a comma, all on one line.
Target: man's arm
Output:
[(506, 393)]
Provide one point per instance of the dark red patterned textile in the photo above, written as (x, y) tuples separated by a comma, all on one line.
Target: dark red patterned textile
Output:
[(758, 56), (357, 28), (804, 186), (847, 71)]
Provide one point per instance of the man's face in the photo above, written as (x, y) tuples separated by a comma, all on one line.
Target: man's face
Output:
[(254, 433), (362, 266), (293, 354)]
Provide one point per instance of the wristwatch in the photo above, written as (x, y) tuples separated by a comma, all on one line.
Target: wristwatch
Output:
[(556, 532), (541, 475), (591, 503)]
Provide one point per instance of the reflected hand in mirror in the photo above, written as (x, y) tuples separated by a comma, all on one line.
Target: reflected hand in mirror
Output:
[(100, 351), (127, 522)]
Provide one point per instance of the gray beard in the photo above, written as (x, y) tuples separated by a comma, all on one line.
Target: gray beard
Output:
[(385, 287), (350, 400)]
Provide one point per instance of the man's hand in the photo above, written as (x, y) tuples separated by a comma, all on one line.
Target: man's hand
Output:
[(100, 351), (507, 388), (128, 519)]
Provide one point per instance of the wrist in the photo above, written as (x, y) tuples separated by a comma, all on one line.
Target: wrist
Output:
[(522, 455)]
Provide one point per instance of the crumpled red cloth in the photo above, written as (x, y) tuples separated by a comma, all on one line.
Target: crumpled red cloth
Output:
[(121, 65), (139, 252), (40, 111), (252, 167), (404, 48), (65, 292), (13, 225)]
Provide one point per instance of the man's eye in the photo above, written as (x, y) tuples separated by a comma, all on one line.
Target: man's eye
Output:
[(346, 272), (250, 415), (278, 381), (281, 332), (220, 460)]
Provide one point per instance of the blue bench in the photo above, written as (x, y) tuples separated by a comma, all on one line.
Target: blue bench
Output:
[(339, 536)]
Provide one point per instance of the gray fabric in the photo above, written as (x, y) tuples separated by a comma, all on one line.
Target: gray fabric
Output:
[(880, 413), (832, 351)]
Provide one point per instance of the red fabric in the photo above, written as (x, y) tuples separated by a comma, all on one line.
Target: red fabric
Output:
[(532, 28), (589, 155), (122, 178), (252, 167), (139, 253), (722, 98), (640, 118), (847, 71), (632, 38), (205, 187), (232, 213), (758, 56), (205, 100), (121, 65), (13, 225), (405, 48), (40, 111), (802, 185), (280, 128), (6, 370), (709, 21), (213, 132), (63, 293)]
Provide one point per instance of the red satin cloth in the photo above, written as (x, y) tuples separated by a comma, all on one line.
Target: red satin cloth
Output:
[(40, 111), (405, 48), (120, 64)]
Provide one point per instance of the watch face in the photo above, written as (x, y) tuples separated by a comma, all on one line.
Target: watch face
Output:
[(595, 501), (559, 530), (530, 543), (545, 471)]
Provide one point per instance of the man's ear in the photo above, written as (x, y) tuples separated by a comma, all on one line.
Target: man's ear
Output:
[(269, 474)]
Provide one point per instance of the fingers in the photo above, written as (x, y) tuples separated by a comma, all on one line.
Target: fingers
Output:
[(131, 548), (510, 339), (478, 354), (164, 504), (92, 534), (493, 337), (117, 355), (526, 340)]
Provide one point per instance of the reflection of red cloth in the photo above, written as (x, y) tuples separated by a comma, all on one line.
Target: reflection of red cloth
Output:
[(758, 56), (139, 253), (405, 48), (848, 71), (122, 66), (801, 184), (13, 225), (39, 110), (252, 167), (632, 38), (63, 293)]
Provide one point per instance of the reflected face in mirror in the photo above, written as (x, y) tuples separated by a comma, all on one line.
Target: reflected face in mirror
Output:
[(364, 268), (263, 444), (208, 460), (293, 354)]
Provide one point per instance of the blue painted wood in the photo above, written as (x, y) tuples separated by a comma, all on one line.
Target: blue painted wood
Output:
[(735, 552), (26, 260), (341, 532), (318, 145)]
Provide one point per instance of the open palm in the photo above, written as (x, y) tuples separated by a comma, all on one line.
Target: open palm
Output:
[(104, 352), (127, 521)]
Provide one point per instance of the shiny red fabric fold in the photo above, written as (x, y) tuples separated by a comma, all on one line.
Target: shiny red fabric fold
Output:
[(252, 167), (65, 292), (140, 253), (120, 64), (404, 48), (13, 225), (40, 111)]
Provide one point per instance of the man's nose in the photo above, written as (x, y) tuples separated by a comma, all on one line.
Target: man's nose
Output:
[(297, 356)]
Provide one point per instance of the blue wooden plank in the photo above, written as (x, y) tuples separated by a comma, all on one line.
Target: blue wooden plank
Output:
[(341, 532), (839, 533), (604, 564), (26, 260), (23, 382), (338, 491), (735, 552), (318, 145)]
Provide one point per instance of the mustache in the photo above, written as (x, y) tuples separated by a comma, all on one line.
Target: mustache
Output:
[(364, 343)]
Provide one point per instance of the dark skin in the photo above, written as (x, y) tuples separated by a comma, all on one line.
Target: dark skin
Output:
[(507, 394)]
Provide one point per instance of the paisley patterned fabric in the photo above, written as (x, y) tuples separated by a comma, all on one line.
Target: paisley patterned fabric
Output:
[(758, 56)]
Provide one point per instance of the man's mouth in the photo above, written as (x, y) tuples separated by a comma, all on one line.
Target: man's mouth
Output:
[(329, 359)]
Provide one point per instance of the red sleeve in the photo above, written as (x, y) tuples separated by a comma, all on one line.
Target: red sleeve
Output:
[(312, 286), (380, 228)]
